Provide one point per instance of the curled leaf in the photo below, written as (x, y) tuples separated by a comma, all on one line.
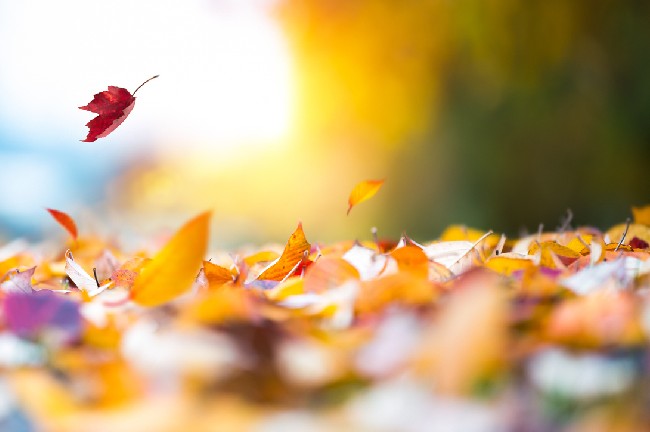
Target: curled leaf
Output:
[(112, 107), (81, 279), (294, 252), (363, 191), (65, 221), (18, 281), (173, 269)]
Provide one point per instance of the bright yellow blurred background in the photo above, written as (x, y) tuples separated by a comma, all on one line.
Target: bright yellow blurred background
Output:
[(497, 114)]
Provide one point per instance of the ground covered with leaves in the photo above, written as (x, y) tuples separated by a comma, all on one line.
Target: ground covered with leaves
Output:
[(471, 332)]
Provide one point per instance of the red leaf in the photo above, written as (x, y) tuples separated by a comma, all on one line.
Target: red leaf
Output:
[(112, 107), (65, 221)]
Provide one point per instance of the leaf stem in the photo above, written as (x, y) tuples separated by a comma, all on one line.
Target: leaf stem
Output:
[(136, 90), (627, 226)]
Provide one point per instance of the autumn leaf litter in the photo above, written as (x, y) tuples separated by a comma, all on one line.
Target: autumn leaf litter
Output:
[(461, 324)]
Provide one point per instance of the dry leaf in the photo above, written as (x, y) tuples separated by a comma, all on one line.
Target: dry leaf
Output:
[(18, 281), (294, 252), (411, 259), (112, 107), (125, 275), (551, 252), (216, 274), (225, 304), (508, 263), (81, 279), (396, 289), (363, 191), (173, 269), (328, 273)]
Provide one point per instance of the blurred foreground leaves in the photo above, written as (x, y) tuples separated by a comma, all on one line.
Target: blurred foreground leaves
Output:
[(474, 331)]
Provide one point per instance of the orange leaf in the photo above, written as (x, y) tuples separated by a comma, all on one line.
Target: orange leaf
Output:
[(172, 271), (363, 191), (328, 273), (65, 221), (216, 274), (399, 288), (641, 215), (412, 259), (294, 252), (226, 304), (126, 274)]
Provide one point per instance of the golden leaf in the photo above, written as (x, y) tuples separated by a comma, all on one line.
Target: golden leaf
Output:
[(363, 191), (171, 272)]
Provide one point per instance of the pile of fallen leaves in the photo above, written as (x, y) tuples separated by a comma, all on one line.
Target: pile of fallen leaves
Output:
[(471, 332)]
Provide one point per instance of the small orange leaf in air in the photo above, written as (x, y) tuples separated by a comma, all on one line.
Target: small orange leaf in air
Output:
[(363, 191), (217, 275), (173, 269), (294, 252), (65, 221)]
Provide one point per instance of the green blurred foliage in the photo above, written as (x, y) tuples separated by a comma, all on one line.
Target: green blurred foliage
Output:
[(495, 113)]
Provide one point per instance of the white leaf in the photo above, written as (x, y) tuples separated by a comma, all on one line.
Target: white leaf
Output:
[(81, 279), (617, 273), (369, 263), (19, 281)]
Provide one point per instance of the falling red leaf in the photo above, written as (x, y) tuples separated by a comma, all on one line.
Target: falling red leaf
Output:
[(112, 107), (65, 221)]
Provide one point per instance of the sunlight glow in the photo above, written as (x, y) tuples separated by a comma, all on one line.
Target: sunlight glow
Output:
[(225, 71)]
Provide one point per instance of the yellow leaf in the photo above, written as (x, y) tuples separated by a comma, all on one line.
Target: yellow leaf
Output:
[(293, 253), (641, 215), (264, 256), (226, 304), (508, 264), (551, 252), (171, 272), (580, 242), (290, 287), (635, 230), (363, 191)]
